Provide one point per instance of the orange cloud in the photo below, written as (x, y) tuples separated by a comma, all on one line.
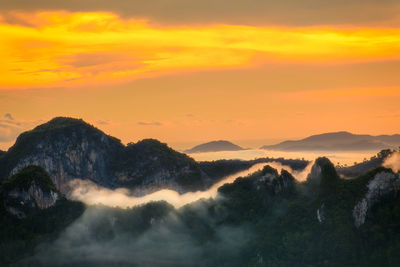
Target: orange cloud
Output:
[(48, 49)]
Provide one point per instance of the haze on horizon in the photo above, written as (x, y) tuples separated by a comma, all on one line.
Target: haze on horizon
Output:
[(190, 72)]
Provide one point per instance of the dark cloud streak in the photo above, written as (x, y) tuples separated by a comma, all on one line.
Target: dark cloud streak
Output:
[(287, 12), (154, 123), (8, 116)]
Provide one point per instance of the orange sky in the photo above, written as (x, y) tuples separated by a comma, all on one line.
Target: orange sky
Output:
[(137, 78)]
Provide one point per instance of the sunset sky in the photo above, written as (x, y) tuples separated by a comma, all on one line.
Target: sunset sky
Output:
[(255, 72)]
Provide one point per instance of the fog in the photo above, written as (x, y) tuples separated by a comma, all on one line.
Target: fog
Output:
[(142, 232), (336, 157), (112, 237), (393, 162), (91, 193)]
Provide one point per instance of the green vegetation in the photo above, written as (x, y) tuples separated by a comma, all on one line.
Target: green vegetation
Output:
[(28, 176), (18, 238), (142, 159), (287, 232)]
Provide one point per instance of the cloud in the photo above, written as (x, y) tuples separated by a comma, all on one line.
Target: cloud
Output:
[(141, 237), (8, 116), (92, 194), (393, 162), (64, 49), (102, 122), (10, 128), (154, 123), (266, 12)]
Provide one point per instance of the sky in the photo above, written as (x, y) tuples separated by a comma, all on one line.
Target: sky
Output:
[(184, 72)]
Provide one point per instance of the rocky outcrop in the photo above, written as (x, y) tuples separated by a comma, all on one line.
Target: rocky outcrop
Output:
[(20, 202), (29, 191), (322, 171), (315, 174), (383, 184), (268, 180)]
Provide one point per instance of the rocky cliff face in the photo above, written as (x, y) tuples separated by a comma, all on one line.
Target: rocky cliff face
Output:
[(67, 149), (323, 180), (28, 191), (70, 148), (271, 179), (21, 202), (322, 172), (267, 181), (382, 185)]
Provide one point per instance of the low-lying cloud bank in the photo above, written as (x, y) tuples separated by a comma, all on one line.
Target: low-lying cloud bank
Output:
[(92, 194), (393, 162), (150, 235)]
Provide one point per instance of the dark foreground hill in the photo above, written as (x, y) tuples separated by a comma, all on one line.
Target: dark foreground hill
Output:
[(265, 219), (339, 141), (32, 211), (214, 146)]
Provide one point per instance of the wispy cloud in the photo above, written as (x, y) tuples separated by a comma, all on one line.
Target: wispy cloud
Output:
[(8, 116), (153, 123), (102, 122), (10, 128)]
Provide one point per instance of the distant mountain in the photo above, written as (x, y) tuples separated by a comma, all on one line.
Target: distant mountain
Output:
[(70, 148), (214, 146), (339, 141)]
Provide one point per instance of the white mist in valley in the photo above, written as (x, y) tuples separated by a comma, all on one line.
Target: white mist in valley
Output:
[(92, 194), (393, 162), (336, 157)]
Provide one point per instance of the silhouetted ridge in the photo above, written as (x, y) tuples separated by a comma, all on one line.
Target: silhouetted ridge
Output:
[(214, 146), (338, 141)]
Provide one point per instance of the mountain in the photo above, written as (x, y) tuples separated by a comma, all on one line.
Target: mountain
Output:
[(338, 141), (214, 146), (69, 148)]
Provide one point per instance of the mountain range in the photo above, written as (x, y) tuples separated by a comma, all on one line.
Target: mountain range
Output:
[(339, 141), (70, 148), (265, 219)]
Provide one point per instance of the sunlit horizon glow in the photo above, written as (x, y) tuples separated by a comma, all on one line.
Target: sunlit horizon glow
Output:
[(66, 49)]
